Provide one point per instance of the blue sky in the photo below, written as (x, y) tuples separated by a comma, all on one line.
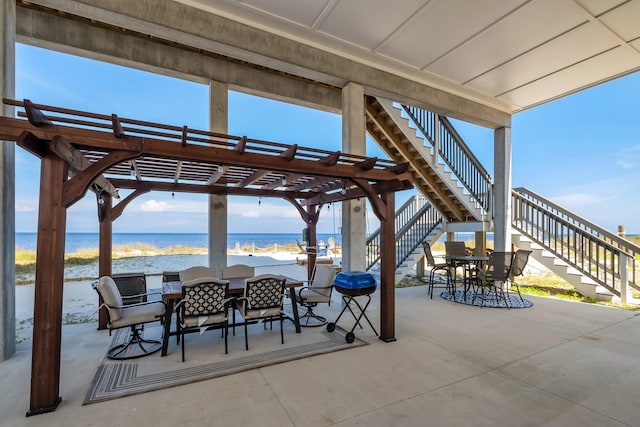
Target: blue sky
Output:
[(582, 151)]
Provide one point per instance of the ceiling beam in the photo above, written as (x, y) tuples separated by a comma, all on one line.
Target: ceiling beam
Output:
[(75, 37), (213, 35)]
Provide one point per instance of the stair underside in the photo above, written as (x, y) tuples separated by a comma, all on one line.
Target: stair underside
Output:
[(398, 147)]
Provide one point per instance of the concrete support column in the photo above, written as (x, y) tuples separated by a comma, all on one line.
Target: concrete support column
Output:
[(502, 189), (7, 184), (218, 119), (354, 224), (480, 248)]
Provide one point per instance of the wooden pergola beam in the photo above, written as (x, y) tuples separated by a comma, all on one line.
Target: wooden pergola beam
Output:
[(256, 175), (205, 189), (354, 193), (219, 173)]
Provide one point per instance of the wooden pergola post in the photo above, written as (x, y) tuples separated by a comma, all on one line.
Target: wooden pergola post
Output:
[(387, 269), (105, 247), (312, 248), (47, 313)]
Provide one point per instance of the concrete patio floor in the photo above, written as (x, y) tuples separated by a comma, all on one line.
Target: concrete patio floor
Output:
[(556, 364)]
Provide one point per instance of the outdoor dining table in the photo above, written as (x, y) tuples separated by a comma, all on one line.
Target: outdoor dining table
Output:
[(465, 261), (172, 293)]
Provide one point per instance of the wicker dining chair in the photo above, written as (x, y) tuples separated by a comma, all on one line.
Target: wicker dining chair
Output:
[(204, 305), (263, 299), (196, 272), (238, 271), (489, 281), (520, 260), (435, 267)]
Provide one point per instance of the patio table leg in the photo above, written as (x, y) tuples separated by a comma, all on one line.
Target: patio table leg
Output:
[(167, 326), (294, 307)]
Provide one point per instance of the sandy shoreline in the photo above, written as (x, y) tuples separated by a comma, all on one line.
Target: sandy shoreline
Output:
[(80, 302)]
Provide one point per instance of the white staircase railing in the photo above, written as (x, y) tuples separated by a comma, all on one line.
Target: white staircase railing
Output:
[(451, 148), (605, 258), (414, 221)]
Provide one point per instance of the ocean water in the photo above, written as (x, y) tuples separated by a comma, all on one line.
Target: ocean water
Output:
[(77, 241)]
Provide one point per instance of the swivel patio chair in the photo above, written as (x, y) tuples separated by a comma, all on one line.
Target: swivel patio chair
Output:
[(317, 292), (489, 281), (262, 300), (520, 260), (131, 284), (132, 316), (434, 268), (196, 272), (204, 305)]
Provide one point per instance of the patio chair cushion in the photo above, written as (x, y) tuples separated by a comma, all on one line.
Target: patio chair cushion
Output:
[(138, 314), (111, 296), (193, 322), (248, 313), (313, 295)]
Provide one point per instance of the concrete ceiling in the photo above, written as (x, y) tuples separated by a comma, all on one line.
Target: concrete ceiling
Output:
[(507, 54)]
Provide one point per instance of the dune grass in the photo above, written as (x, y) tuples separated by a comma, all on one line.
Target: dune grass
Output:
[(26, 260)]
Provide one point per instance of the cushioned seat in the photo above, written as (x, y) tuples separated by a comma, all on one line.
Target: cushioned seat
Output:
[(133, 316), (262, 300), (204, 305), (318, 292)]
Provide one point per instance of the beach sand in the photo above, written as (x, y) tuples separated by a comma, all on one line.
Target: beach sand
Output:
[(80, 304)]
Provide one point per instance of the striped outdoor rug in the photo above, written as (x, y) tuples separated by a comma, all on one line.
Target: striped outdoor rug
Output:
[(115, 379)]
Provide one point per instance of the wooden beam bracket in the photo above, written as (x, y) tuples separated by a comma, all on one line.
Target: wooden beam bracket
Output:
[(331, 159), (119, 208), (290, 153), (367, 164), (118, 132), (35, 116), (75, 188), (241, 145)]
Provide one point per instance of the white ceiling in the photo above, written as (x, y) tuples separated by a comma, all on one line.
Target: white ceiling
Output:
[(509, 54)]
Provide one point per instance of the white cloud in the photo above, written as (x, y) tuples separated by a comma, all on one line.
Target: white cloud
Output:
[(627, 157), (577, 200), (626, 163), (154, 206), (251, 214)]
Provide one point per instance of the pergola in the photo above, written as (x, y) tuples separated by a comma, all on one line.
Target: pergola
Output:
[(82, 151)]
